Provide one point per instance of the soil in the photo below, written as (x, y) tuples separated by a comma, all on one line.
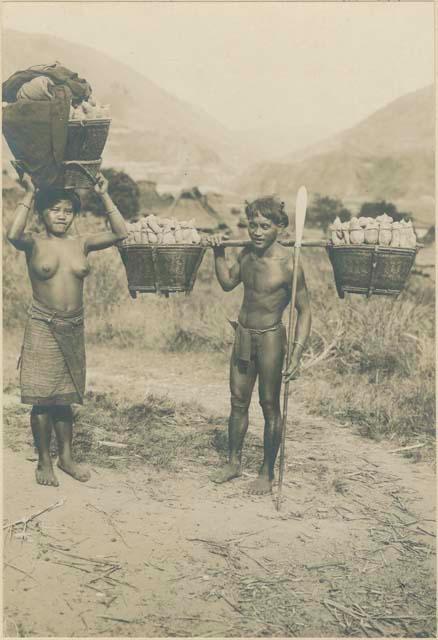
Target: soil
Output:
[(149, 552)]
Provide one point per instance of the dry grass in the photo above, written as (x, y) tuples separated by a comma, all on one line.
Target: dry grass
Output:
[(370, 362)]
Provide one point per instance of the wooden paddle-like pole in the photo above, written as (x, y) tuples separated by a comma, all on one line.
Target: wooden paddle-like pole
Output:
[(300, 217)]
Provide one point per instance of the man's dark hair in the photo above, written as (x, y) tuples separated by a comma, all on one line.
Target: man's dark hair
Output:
[(46, 198), (269, 207)]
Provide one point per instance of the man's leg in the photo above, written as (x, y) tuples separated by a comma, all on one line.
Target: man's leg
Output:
[(270, 363), (241, 385), (41, 424), (63, 423)]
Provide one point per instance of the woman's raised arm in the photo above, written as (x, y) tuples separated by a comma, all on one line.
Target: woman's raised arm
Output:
[(16, 232), (118, 227)]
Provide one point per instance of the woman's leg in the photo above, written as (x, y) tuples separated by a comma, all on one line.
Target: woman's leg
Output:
[(241, 385), (270, 358), (41, 424), (63, 423)]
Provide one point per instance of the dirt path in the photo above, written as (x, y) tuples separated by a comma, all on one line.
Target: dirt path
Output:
[(147, 553)]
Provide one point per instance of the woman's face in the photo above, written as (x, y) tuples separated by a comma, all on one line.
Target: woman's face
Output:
[(262, 231), (59, 217)]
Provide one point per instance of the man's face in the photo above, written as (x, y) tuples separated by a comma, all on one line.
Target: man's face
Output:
[(262, 231)]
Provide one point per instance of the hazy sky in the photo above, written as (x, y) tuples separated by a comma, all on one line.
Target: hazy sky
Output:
[(250, 65)]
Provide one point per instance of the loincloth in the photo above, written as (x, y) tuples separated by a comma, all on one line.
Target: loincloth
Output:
[(248, 343), (53, 364)]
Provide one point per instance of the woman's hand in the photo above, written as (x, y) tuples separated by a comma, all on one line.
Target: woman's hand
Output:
[(27, 183), (101, 186)]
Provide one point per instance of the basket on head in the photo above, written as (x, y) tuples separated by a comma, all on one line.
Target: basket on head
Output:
[(161, 268), (370, 269), (78, 174), (86, 139)]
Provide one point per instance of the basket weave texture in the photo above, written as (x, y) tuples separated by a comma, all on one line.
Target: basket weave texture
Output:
[(73, 175), (370, 269), (161, 268), (86, 139)]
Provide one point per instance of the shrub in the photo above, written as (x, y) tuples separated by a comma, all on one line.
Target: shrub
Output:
[(122, 189)]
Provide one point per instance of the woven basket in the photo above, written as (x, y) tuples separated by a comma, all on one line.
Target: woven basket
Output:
[(161, 268), (78, 174), (86, 139), (370, 269)]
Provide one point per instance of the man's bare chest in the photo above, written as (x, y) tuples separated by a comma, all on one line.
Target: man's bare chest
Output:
[(266, 276)]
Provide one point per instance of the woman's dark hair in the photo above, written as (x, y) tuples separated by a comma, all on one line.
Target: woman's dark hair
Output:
[(269, 207), (46, 198)]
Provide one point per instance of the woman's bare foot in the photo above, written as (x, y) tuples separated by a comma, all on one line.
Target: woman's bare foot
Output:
[(260, 486), (44, 475), (77, 471), (228, 472)]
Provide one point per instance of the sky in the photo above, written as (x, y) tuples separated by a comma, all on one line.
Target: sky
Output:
[(299, 65)]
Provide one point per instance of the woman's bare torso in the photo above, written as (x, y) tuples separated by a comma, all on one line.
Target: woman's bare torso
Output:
[(57, 268), (266, 282)]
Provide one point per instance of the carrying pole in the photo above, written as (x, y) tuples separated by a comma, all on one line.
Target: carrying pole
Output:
[(300, 216)]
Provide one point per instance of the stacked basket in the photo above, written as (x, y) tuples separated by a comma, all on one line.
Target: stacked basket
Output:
[(86, 140)]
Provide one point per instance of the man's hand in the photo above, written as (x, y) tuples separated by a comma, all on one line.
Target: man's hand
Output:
[(101, 186), (293, 371), (216, 241)]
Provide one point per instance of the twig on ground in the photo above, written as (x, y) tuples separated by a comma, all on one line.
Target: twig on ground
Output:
[(412, 446), (8, 564), (134, 621), (110, 522), (233, 606), (25, 521)]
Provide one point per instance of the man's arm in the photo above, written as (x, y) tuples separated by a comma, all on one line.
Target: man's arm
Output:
[(302, 327), (228, 278)]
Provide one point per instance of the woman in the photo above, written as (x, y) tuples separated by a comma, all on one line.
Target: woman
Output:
[(52, 374)]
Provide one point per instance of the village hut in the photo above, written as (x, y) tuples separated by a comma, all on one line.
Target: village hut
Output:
[(193, 205), (150, 200)]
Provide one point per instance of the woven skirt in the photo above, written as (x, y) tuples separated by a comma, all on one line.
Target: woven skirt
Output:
[(53, 365)]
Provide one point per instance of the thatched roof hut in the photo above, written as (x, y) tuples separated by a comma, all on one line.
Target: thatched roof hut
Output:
[(192, 204)]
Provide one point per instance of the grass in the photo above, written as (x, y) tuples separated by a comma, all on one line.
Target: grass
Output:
[(378, 374)]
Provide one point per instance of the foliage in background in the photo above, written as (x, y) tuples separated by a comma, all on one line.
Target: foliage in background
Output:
[(374, 209), (123, 190), (369, 362), (323, 210)]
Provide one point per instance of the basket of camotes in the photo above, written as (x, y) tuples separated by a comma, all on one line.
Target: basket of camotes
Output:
[(372, 255), (161, 256), (87, 133)]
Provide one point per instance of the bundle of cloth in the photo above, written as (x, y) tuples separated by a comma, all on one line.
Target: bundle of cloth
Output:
[(36, 108)]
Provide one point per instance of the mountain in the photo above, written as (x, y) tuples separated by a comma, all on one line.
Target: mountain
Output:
[(388, 156), (165, 136)]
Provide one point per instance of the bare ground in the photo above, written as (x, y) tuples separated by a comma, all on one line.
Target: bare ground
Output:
[(140, 551)]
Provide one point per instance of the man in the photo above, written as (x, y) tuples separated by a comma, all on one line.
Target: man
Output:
[(265, 268)]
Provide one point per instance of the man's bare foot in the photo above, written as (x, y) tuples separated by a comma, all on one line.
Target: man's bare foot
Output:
[(260, 486), (228, 472), (44, 475), (77, 471)]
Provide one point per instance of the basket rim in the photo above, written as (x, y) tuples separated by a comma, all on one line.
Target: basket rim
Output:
[(372, 248), (88, 121), (137, 245)]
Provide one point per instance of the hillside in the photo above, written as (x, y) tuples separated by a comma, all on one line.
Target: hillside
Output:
[(390, 156), (170, 138)]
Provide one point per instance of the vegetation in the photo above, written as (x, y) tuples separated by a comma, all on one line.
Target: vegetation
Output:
[(369, 362), (323, 210), (374, 209), (123, 190)]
